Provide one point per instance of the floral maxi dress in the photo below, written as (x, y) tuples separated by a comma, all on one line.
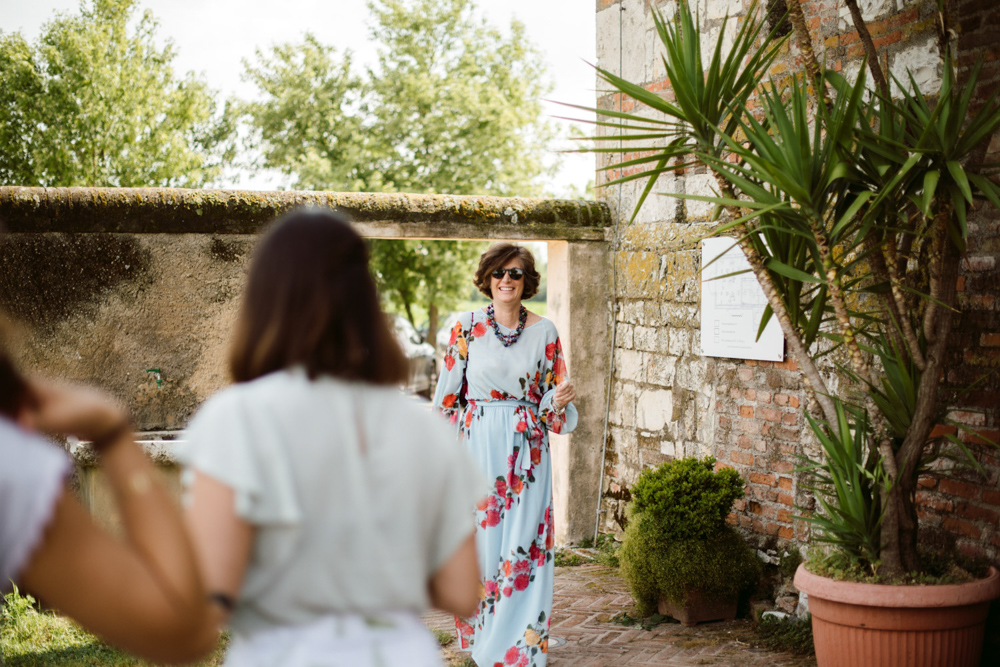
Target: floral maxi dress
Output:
[(500, 398)]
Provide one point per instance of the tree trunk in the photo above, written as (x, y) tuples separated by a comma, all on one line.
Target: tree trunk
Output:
[(432, 324)]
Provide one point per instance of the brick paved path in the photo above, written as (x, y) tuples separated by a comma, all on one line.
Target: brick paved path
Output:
[(587, 597)]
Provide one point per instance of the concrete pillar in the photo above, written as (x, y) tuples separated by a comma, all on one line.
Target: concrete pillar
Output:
[(578, 305)]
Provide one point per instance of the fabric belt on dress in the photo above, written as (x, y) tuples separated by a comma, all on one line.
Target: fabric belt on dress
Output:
[(499, 403), (524, 454)]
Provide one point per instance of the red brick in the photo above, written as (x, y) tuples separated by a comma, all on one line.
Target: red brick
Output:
[(991, 497), (793, 401), (758, 526), (934, 502), (745, 374), (782, 466), (960, 286), (781, 399), (734, 394), (760, 478), (746, 411), (743, 458), (790, 418), (982, 437), (785, 483), (748, 426), (740, 504), (961, 489), (785, 516), (990, 340), (976, 513), (744, 442), (725, 422), (749, 394), (745, 522), (786, 533), (765, 429), (786, 499), (764, 396), (941, 430), (959, 527), (968, 417), (770, 414), (787, 364), (927, 482)]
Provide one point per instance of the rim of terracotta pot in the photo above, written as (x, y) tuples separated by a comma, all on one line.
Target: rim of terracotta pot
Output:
[(884, 595)]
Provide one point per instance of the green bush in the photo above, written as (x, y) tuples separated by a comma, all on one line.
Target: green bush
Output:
[(677, 539), (687, 497), (721, 567)]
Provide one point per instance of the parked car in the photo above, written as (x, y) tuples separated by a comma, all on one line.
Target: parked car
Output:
[(423, 364)]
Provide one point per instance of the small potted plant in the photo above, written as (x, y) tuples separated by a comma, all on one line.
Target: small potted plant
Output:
[(679, 556)]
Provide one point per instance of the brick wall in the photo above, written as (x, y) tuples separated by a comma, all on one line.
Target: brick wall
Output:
[(668, 400)]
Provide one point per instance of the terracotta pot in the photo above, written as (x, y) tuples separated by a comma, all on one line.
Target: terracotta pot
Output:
[(897, 626), (697, 609)]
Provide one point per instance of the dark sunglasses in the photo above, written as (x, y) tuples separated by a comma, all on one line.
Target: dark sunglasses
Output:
[(515, 274)]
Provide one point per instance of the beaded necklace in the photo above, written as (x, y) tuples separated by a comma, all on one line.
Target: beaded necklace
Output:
[(511, 338)]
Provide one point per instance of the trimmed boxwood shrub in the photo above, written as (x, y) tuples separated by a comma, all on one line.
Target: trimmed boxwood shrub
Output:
[(677, 539)]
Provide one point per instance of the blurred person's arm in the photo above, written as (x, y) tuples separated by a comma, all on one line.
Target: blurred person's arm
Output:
[(455, 586), (222, 541), (143, 594)]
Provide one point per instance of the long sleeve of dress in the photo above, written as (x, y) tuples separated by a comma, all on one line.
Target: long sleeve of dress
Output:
[(449, 395), (555, 373)]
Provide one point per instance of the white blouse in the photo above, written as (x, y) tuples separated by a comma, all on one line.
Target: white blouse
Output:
[(32, 476), (357, 493)]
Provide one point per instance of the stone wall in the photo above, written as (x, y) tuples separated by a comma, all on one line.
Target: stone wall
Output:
[(667, 399)]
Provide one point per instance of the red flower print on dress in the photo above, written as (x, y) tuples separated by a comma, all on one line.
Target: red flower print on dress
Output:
[(469, 414), (449, 362), (491, 588), (559, 368), (508, 567), (550, 350), (495, 394), (522, 567), (449, 400), (507, 590), (501, 487), (522, 426), (521, 582), (492, 519), (512, 656), (478, 330)]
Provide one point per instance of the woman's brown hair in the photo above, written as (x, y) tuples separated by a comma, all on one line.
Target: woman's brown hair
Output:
[(310, 300), (14, 390), (495, 258)]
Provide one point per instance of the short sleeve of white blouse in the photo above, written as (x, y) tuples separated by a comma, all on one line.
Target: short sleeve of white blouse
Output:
[(357, 493), (32, 472)]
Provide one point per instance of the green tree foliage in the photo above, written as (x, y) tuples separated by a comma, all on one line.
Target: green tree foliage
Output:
[(95, 102), (453, 106)]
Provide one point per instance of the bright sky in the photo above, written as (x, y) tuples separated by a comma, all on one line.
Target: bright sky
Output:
[(213, 36)]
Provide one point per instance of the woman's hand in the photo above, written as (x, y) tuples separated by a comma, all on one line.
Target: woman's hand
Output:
[(565, 393), (84, 412)]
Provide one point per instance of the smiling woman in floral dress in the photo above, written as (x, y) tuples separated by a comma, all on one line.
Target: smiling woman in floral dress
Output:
[(505, 383)]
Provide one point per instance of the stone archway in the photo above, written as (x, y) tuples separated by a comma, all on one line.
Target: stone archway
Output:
[(117, 282)]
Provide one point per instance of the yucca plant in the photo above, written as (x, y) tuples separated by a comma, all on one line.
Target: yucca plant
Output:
[(851, 209)]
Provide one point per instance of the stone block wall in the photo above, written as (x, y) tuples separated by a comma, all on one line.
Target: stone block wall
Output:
[(669, 401)]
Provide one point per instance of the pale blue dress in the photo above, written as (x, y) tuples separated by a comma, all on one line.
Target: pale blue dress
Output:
[(500, 398)]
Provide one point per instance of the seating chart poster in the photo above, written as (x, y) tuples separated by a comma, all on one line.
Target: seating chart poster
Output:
[(731, 307)]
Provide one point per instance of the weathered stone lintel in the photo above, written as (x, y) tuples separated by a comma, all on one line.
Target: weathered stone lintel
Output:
[(159, 446), (180, 211)]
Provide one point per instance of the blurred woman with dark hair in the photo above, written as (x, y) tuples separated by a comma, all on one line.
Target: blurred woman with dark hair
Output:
[(328, 509), (505, 383), (142, 594)]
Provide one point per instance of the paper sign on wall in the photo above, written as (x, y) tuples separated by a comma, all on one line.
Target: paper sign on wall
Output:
[(731, 307)]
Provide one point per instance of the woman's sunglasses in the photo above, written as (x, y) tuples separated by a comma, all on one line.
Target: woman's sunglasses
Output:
[(515, 274)]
